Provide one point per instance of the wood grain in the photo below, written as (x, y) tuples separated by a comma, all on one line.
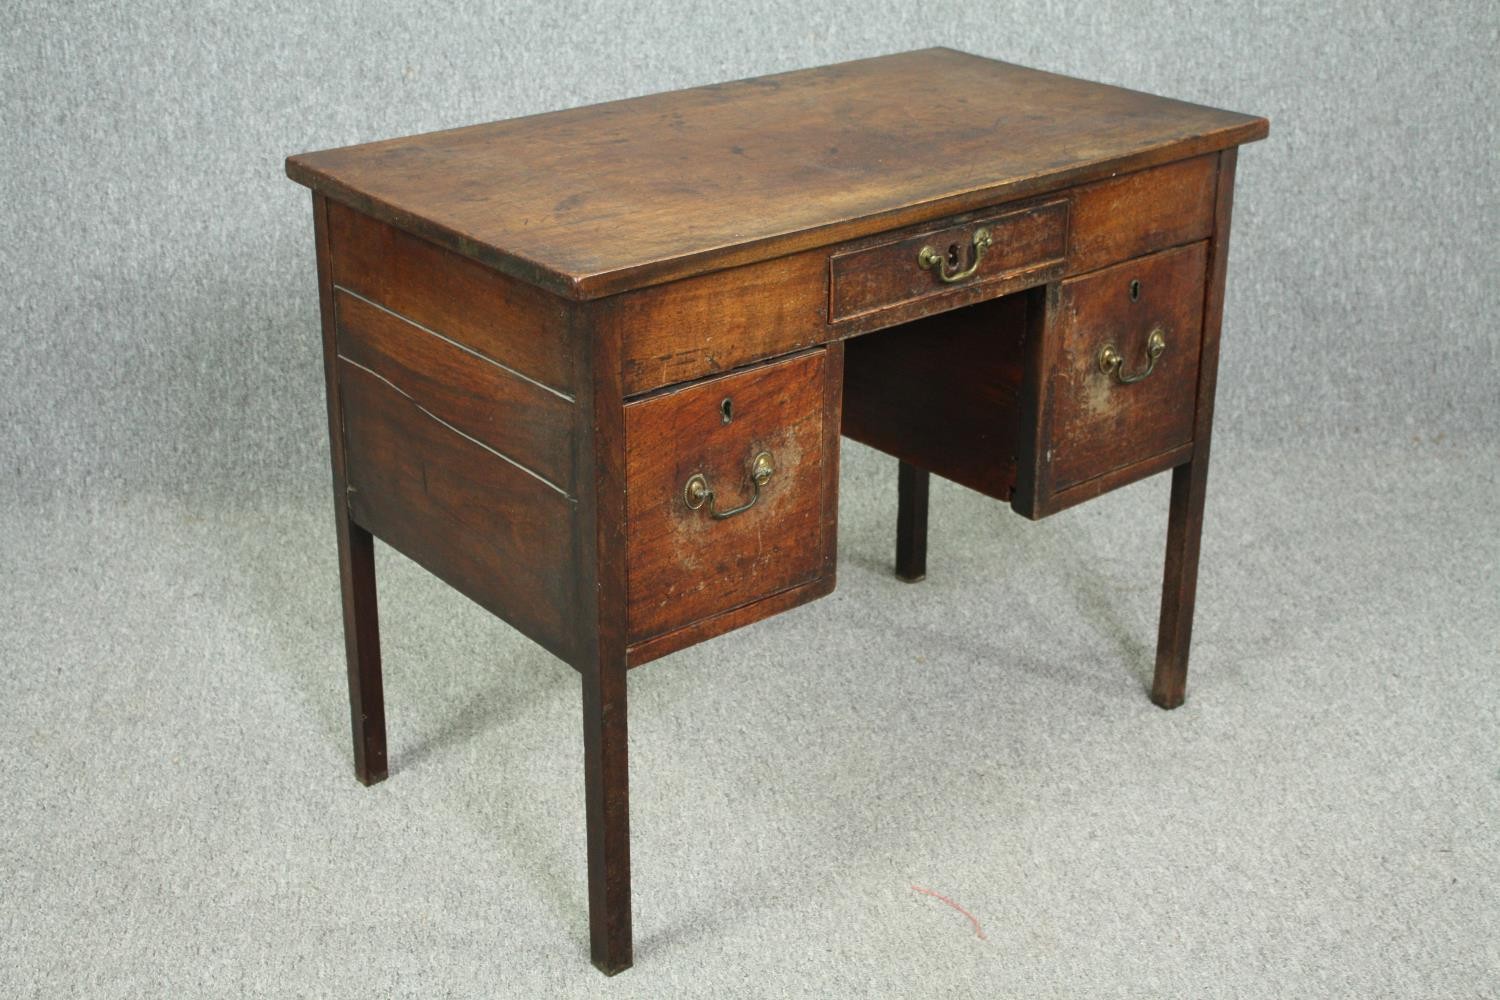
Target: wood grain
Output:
[(522, 421), (718, 322), (888, 275), (1123, 476), (704, 629), (1099, 425), (684, 565), (1141, 212), (508, 321), (597, 200), (495, 533)]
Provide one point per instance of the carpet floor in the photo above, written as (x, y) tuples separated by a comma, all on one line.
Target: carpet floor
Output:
[(178, 815)]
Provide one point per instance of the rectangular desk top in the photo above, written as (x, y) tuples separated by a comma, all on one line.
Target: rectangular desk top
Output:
[(601, 199)]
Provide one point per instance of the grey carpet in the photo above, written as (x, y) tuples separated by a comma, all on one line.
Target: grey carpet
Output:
[(1320, 819)]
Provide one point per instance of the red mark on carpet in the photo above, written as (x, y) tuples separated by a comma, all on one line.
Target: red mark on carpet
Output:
[(978, 931)]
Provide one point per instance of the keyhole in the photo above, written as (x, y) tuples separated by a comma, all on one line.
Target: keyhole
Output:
[(1135, 291), (727, 409), (953, 255)]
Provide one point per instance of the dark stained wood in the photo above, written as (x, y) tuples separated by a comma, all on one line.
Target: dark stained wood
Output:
[(1190, 481), (362, 652), (1141, 212), (601, 579), (717, 322), (527, 424), (887, 275), (598, 200), (911, 522), (833, 410), (703, 629), (943, 393), (356, 550), (1039, 349), (745, 614), (1113, 480), (1098, 424), (508, 321), (685, 565), (497, 534)]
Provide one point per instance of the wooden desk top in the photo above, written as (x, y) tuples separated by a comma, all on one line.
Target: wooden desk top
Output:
[(597, 200)]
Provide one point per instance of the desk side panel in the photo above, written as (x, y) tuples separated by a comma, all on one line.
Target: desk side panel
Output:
[(506, 320), (497, 534), (509, 415), (457, 422)]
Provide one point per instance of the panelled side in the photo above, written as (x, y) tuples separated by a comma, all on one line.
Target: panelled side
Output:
[(458, 392)]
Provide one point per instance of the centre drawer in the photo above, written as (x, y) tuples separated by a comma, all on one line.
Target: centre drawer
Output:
[(730, 488), (940, 268)]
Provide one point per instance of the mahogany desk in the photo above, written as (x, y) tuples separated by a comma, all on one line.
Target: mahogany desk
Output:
[(591, 367)]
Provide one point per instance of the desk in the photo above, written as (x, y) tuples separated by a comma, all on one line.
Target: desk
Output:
[(591, 368)]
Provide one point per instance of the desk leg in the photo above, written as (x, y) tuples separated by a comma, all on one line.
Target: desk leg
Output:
[(911, 522), (607, 791), (602, 600), (356, 549), (1190, 481), (362, 648), (1180, 582)]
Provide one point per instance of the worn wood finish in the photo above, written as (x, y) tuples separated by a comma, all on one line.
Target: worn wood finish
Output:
[(514, 417), (598, 200), (356, 548), (684, 564), (656, 647), (1039, 350), (1113, 480), (1098, 424), (911, 522), (530, 329), (494, 532), (887, 275), (646, 650), (718, 322), (1142, 212), (1190, 481), (943, 393), (505, 320)]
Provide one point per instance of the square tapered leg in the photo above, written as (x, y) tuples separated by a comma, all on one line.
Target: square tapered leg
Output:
[(607, 791), (362, 649), (1180, 582), (911, 522)]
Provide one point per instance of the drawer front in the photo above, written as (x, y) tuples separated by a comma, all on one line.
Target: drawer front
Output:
[(693, 453), (948, 263), (1138, 213), (1112, 404)]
